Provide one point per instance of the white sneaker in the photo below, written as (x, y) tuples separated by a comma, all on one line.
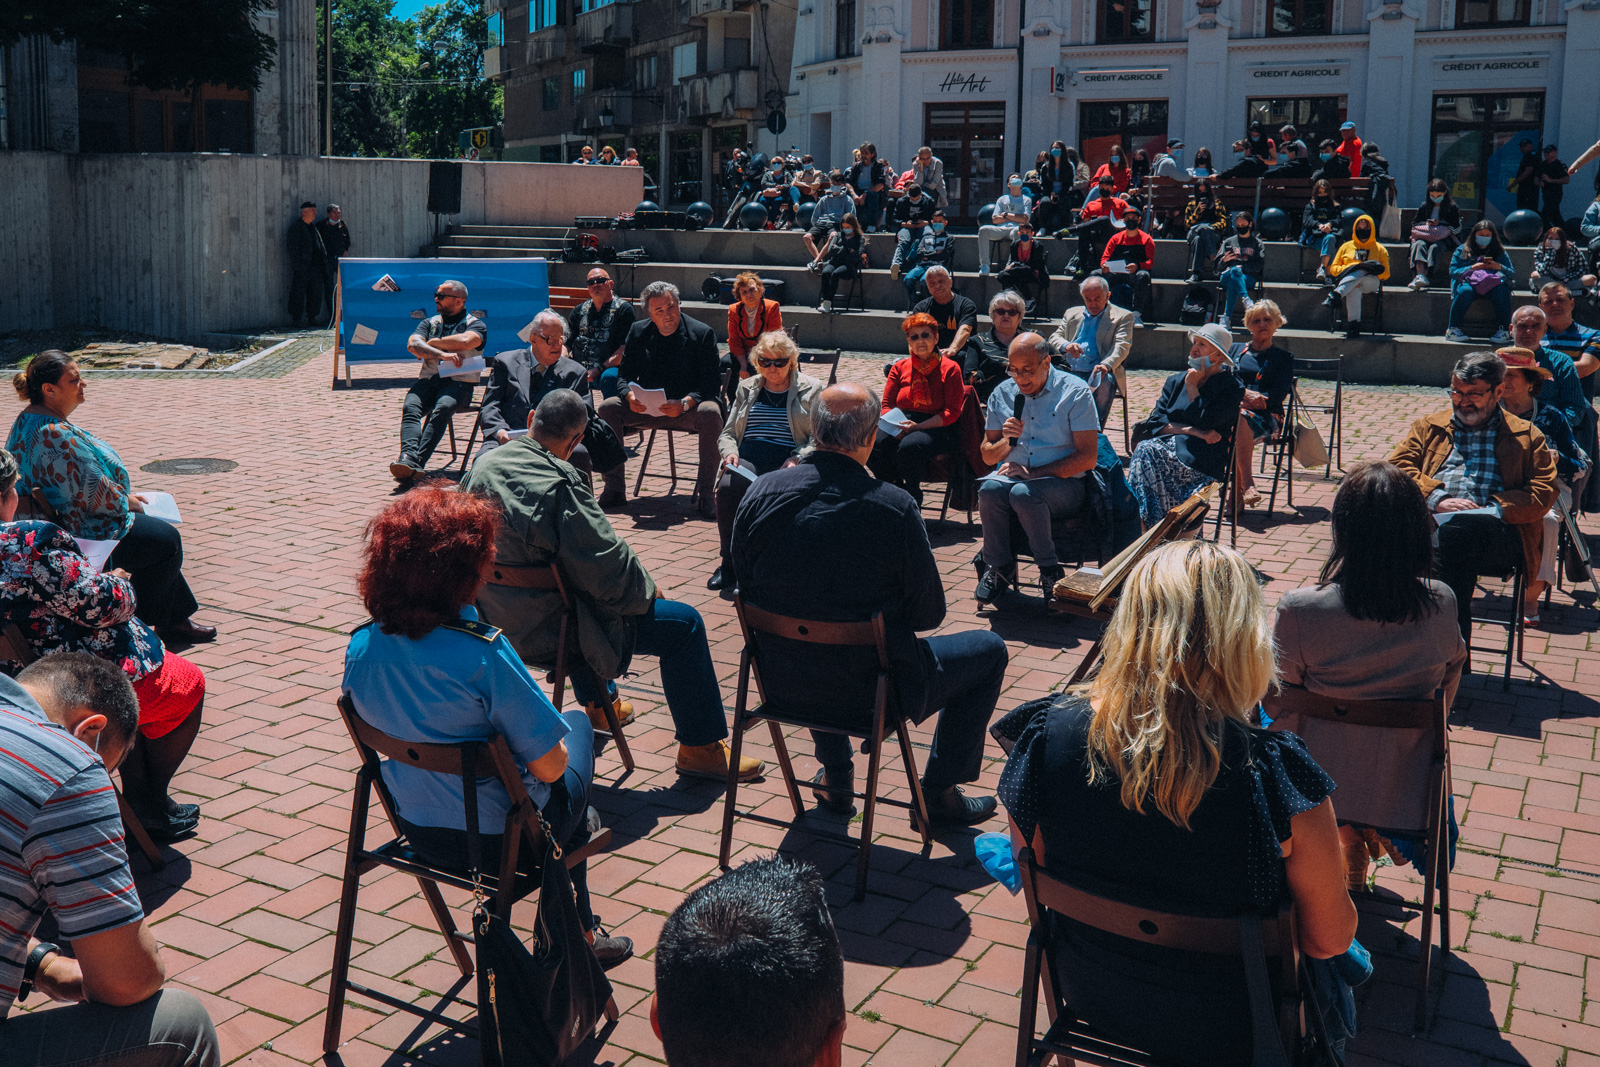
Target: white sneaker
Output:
[(1138, 320), (894, 270), (1418, 283), (1500, 337), (1222, 320), (814, 267), (983, 270), (827, 307), (1457, 335)]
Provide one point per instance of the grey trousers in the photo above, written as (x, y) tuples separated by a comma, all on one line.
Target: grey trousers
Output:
[(705, 421), (1035, 503), (171, 1029)]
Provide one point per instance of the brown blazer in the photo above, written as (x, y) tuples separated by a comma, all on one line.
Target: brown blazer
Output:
[(1527, 467), (1114, 338)]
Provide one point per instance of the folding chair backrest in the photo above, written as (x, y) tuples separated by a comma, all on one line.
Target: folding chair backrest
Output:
[(14, 645), (821, 359), (528, 576), (440, 759), (867, 634), (1388, 756)]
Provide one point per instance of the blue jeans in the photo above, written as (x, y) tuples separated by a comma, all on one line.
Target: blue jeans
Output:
[(1236, 286), (608, 382), (1326, 244), (964, 675), (674, 633), (872, 209), (904, 241), (1036, 503), (1463, 296), (913, 278)]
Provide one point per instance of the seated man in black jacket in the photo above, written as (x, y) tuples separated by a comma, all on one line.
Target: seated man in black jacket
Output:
[(674, 353), (825, 540), (1028, 270), (519, 379), (1331, 166), (1248, 164)]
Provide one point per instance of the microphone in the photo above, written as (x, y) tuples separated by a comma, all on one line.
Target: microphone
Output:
[(1016, 413)]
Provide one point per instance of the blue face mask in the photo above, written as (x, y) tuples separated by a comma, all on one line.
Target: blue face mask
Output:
[(1056, 152), (1199, 363), (1239, 154), (1437, 198), (1116, 159), (1325, 156), (848, 230), (1176, 154), (1481, 239), (938, 227)]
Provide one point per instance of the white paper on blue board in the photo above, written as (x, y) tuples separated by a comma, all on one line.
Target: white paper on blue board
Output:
[(470, 365), (363, 335), (525, 334), (162, 506), (96, 552)]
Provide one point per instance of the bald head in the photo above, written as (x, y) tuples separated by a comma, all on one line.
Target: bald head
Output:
[(844, 418), (1028, 363)]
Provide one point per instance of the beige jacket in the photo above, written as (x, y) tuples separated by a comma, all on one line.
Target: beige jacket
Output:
[(1114, 339), (803, 390)]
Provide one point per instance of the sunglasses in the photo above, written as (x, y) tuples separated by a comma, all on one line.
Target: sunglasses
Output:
[(772, 362), (598, 281), (1008, 312), (921, 335)]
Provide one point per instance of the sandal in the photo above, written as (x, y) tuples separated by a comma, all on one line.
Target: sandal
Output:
[(1251, 497)]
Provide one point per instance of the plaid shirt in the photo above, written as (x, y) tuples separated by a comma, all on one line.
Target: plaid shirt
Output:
[(1471, 471)]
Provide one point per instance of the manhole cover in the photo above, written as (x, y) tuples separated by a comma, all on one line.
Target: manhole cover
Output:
[(189, 466)]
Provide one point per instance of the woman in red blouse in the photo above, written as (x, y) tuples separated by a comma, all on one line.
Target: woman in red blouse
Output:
[(750, 316), (926, 389)]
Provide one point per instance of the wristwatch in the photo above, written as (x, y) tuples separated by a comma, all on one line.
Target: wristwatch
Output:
[(30, 969)]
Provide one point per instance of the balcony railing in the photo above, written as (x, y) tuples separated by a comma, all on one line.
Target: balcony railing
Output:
[(702, 8), (605, 28), (720, 93), (547, 44), (494, 60), (618, 102)]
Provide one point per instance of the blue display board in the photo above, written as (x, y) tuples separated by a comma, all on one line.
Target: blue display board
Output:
[(382, 300)]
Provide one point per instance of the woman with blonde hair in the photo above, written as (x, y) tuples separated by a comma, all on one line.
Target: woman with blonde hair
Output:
[(768, 423), (1154, 785), (1267, 374)]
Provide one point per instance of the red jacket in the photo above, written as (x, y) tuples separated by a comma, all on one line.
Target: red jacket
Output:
[(1132, 247), (945, 389), (1351, 150), (1119, 176), (739, 341), (1114, 207)]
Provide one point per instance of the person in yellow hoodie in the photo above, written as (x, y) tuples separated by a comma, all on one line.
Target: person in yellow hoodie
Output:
[(1361, 266)]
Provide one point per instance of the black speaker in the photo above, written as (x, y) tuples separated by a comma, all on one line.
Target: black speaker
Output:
[(444, 187)]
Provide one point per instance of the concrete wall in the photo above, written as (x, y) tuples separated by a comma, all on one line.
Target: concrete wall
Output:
[(180, 245)]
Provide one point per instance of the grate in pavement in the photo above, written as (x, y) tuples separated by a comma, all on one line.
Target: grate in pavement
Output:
[(189, 466)]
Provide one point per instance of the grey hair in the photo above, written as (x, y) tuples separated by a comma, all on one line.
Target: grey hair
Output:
[(935, 269), (455, 286), (560, 415), (547, 315), (655, 289), (1530, 307), (1480, 367), (842, 431), (1009, 298), (1094, 279), (334, 207)]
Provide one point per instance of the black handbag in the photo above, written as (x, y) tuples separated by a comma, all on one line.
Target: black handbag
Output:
[(534, 1007), (604, 447)]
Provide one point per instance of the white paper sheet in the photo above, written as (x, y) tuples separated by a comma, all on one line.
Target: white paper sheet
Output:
[(162, 506), (514, 434), (363, 335), (97, 552), (1115, 266), (526, 332), (470, 365), (1445, 516), (744, 471), (889, 422), (652, 399)]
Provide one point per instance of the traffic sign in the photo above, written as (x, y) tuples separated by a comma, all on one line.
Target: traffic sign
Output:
[(776, 121)]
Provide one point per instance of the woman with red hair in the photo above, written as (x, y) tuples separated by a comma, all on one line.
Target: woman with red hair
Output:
[(426, 669), (923, 396)]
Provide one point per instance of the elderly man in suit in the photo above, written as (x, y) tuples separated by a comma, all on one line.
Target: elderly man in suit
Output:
[(519, 379), (1093, 341)]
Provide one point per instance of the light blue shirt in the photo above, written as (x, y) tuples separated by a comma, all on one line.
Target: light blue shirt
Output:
[(1063, 407), (1089, 338), (447, 687)]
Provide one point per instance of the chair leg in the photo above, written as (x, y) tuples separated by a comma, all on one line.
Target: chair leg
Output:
[(644, 463), (344, 929), (918, 800), (787, 767), (450, 428), (466, 454), (1027, 1018), (1425, 957), (869, 803), (1127, 430), (730, 799), (135, 829), (618, 736), (447, 925), (672, 462)]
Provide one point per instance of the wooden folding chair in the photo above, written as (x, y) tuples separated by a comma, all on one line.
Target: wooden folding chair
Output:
[(546, 577), (820, 359), (476, 759), (1071, 1040), (1391, 759), (1229, 501), (15, 646), (730, 382), (754, 621)]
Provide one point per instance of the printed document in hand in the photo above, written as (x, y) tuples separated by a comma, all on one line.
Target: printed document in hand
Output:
[(1115, 266), (161, 506), (652, 399), (889, 422), (514, 434), (1443, 517), (744, 470), (97, 552), (470, 365)]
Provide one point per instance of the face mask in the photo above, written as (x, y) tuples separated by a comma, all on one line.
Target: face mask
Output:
[(1238, 153), (1198, 363), (1116, 159), (938, 227), (848, 230), (1176, 154), (1024, 237), (1437, 198), (1244, 231), (1481, 240), (1325, 156), (1363, 234), (1055, 153)]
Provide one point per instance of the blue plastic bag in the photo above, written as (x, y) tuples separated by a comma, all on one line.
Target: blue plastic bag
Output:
[(994, 852)]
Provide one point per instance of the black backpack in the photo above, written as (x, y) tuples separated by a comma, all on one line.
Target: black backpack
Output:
[(1197, 304)]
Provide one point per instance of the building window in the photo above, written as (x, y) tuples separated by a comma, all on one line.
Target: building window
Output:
[(967, 24), (595, 5), (1298, 18), (1128, 125), (1476, 141), (644, 72), (580, 79), (544, 14), (549, 153), (1315, 118), (1471, 14), (552, 93), (844, 30), (685, 167), (685, 61), (1127, 20)]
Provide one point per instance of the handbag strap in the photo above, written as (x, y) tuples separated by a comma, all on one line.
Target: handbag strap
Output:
[(469, 793), (1266, 1043)]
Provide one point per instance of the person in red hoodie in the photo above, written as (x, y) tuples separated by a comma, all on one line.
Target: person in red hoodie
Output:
[(1130, 286), (1097, 221), (1350, 148), (1117, 169)]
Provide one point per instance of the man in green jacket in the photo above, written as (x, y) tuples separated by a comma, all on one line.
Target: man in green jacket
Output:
[(553, 520)]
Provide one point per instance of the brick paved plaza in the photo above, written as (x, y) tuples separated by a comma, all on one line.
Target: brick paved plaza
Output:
[(245, 910)]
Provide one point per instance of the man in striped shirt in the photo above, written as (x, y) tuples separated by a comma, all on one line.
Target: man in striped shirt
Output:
[(65, 723)]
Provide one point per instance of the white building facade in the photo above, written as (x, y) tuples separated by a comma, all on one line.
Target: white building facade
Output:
[(1444, 87)]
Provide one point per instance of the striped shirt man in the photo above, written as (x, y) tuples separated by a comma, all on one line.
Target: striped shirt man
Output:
[(61, 842)]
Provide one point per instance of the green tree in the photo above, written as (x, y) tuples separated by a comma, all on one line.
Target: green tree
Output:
[(373, 56), (449, 39)]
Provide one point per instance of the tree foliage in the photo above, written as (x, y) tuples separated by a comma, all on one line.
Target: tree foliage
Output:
[(169, 44), (372, 58), (450, 39)]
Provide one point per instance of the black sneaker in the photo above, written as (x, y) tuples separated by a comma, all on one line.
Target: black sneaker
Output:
[(990, 586), (1048, 577), (951, 808), (718, 577), (609, 950), (840, 803)]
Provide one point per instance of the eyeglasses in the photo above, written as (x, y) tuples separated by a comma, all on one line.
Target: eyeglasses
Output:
[(598, 281), (921, 335), (448, 296), (1460, 394), (772, 362), (547, 339), (1018, 372), (1008, 312)]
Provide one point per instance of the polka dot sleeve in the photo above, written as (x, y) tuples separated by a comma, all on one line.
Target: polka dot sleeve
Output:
[(1287, 781), (1023, 779)]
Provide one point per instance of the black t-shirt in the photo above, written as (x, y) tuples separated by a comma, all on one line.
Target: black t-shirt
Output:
[(919, 210), (863, 177), (597, 334), (1552, 168), (951, 317)]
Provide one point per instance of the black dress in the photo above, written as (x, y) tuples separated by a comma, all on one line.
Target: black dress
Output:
[(1188, 1008), (1269, 372)]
